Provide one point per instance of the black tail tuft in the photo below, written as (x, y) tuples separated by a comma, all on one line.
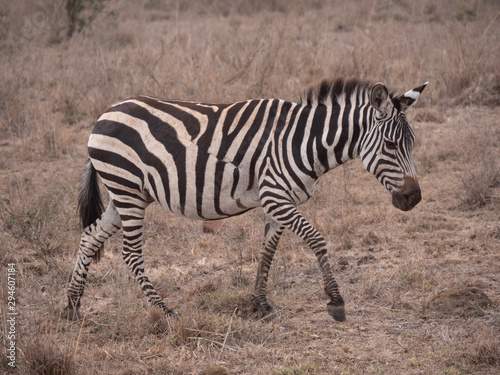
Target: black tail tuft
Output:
[(90, 204), (89, 201)]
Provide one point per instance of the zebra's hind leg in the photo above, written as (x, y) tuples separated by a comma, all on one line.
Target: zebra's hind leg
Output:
[(91, 243), (272, 235), (132, 216)]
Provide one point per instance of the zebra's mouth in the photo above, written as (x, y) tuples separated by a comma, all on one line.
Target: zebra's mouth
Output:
[(409, 196)]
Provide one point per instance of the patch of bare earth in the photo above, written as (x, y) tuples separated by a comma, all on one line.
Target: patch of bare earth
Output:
[(461, 302)]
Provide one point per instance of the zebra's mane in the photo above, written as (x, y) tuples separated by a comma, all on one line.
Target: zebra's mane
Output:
[(328, 90)]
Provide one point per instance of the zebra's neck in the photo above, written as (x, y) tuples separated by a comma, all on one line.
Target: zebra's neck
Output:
[(327, 136)]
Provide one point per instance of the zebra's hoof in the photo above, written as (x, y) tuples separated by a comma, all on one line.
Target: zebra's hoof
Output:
[(269, 315), (336, 311), (172, 315), (71, 314)]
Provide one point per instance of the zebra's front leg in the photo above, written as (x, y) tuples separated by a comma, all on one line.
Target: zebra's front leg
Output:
[(132, 255), (293, 220), (91, 243), (317, 243), (272, 234)]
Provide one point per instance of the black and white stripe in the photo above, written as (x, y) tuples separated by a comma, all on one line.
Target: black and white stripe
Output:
[(211, 161)]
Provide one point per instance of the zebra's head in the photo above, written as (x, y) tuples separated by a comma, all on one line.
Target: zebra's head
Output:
[(387, 146)]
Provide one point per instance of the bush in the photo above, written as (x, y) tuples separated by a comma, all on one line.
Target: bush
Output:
[(82, 13)]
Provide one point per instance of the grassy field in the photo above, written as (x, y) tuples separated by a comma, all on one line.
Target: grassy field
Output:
[(421, 288)]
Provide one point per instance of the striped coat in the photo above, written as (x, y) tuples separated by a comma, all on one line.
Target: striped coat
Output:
[(212, 161)]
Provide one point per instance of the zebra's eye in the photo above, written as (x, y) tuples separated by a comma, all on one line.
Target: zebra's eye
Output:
[(390, 145)]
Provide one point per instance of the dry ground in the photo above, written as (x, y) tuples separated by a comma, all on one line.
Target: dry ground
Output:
[(421, 288)]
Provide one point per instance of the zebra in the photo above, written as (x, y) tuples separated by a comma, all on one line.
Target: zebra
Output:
[(211, 161)]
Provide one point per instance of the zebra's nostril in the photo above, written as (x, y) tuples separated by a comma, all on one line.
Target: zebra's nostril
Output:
[(406, 199)]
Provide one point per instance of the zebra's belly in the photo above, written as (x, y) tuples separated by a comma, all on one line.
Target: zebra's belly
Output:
[(205, 210), (216, 191), (228, 208), (222, 205)]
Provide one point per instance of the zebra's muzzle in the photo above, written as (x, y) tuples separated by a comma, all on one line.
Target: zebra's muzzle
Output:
[(409, 196)]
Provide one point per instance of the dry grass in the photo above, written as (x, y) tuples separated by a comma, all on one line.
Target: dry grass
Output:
[(389, 264), (48, 358), (482, 174)]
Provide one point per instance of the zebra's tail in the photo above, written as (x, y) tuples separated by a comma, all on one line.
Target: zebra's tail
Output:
[(90, 205)]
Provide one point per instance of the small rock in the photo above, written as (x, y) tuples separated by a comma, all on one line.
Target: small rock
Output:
[(343, 263), (212, 226), (365, 259)]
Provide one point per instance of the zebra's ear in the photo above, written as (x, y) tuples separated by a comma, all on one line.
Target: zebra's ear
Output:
[(379, 97), (410, 97)]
